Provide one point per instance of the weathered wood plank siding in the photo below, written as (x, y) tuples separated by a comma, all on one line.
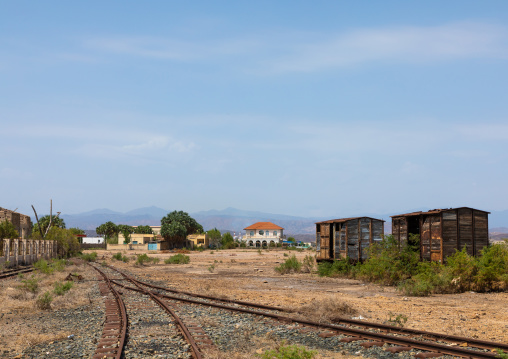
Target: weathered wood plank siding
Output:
[(481, 231), (443, 231), (348, 237), (466, 230), (365, 240)]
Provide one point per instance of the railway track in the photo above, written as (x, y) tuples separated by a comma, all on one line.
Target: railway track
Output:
[(369, 334), (9, 273), (114, 338)]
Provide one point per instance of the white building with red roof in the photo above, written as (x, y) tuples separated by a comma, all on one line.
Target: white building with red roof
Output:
[(263, 234)]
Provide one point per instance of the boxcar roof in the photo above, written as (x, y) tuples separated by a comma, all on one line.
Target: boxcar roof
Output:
[(341, 220), (435, 211)]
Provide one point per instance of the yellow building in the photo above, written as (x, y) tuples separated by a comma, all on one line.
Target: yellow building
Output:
[(198, 240)]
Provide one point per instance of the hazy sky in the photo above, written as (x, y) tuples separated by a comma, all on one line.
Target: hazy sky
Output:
[(306, 108)]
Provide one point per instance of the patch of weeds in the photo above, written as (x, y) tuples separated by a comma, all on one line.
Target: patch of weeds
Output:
[(59, 264), (117, 256), (104, 264), (43, 266), (286, 255), (211, 268), (308, 263), (502, 354), (30, 285), (144, 258), (61, 288), (284, 351), (292, 264), (177, 259), (89, 257), (397, 320), (260, 252), (43, 302)]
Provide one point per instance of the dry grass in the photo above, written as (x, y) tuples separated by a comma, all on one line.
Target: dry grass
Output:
[(17, 306), (30, 339), (327, 310)]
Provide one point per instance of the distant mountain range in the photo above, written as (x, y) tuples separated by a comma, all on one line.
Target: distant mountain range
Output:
[(235, 220)]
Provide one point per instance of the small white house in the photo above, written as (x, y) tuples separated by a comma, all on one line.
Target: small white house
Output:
[(263, 234), (93, 240)]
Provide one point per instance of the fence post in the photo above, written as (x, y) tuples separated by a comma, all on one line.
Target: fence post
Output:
[(16, 252), (7, 249)]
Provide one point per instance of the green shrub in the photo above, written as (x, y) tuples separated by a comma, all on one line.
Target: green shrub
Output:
[(44, 301), (117, 256), (177, 259), (42, 266), (292, 264), (492, 268), (144, 258), (336, 268), (289, 352), (308, 263), (211, 268), (387, 264), (59, 264), (30, 285), (89, 257), (61, 288)]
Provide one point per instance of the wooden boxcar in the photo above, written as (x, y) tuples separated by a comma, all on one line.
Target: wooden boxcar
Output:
[(347, 237), (442, 231)]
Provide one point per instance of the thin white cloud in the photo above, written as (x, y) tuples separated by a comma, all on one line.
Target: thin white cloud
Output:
[(483, 132), (299, 51), (408, 44)]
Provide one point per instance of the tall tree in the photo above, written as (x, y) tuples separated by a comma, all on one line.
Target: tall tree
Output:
[(175, 227), (109, 229), (228, 241), (126, 230), (143, 230), (214, 237), (44, 222)]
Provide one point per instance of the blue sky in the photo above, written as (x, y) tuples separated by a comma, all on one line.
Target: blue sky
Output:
[(322, 108)]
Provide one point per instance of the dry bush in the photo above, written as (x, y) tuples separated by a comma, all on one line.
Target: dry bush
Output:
[(182, 251), (328, 309)]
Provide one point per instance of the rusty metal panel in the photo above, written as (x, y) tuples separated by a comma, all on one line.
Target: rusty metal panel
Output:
[(425, 238), (435, 238)]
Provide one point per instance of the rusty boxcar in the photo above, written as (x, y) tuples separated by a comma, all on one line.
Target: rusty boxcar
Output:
[(347, 237), (442, 231)]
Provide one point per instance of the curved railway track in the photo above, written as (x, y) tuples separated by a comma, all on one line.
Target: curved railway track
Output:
[(113, 339), (371, 334)]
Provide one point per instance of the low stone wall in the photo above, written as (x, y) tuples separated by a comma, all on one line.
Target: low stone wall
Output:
[(92, 245), (16, 252)]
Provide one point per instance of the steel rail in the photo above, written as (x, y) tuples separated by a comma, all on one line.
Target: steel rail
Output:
[(428, 346), (123, 315), (14, 272), (188, 336), (388, 328)]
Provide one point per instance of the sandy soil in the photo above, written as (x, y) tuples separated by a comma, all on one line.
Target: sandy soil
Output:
[(247, 275)]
